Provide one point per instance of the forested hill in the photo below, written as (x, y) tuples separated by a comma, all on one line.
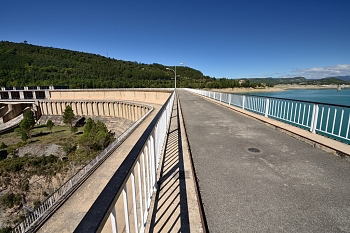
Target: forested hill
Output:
[(23, 64)]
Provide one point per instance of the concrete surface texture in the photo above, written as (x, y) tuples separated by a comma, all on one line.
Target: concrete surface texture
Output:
[(146, 96), (175, 205), (254, 178)]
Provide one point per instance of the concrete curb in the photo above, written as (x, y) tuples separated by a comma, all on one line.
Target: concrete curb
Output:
[(196, 213)]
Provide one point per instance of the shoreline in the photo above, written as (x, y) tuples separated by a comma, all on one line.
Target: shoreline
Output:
[(279, 88)]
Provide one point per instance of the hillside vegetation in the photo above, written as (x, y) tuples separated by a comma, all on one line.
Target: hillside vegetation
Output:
[(23, 64)]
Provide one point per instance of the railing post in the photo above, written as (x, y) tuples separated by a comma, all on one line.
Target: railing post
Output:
[(126, 210), (113, 216), (267, 107), (133, 191), (243, 100), (220, 96), (229, 99), (140, 192), (314, 119), (153, 161)]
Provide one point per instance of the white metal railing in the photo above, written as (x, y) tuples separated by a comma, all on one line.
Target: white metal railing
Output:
[(133, 183), (60, 194), (328, 120)]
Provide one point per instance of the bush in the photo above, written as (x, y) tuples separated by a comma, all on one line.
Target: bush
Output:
[(3, 145), (49, 124), (11, 199), (5, 230), (15, 166), (51, 159), (69, 148), (37, 203), (96, 136)]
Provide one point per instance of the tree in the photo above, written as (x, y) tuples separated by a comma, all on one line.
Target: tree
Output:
[(26, 125), (95, 136), (68, 115), (49, 124)]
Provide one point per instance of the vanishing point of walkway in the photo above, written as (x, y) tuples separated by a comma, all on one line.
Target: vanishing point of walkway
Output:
[(254, 178)]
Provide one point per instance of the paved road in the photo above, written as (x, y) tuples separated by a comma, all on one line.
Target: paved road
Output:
[(253, 178)]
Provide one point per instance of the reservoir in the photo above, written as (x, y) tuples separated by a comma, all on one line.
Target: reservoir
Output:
[(321, 111), (330, 96)]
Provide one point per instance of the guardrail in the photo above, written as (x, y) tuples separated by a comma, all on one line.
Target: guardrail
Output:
[(138, 175), (59, 196), (329, 120)]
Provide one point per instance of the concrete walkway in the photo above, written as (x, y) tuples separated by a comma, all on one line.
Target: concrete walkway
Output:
[(175, 206), (254, 178)]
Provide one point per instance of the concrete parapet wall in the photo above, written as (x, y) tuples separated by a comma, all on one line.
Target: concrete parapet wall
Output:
[(128, 110), (88, 102), (15, 110), (146, 96)]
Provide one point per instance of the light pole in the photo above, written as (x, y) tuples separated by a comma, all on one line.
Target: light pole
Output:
[(181, 63), (175, 74)]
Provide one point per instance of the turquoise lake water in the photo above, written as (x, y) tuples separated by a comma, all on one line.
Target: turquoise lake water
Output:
[(332, 121), (331, 96)]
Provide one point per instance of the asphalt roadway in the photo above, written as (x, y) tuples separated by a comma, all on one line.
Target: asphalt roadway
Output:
[(254, 178)]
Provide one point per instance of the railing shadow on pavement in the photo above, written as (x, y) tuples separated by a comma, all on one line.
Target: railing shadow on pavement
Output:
[(170, 209)]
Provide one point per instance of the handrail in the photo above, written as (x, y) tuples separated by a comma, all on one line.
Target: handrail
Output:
[(329, 120), (62, 193), (140, 165), (306, 101)]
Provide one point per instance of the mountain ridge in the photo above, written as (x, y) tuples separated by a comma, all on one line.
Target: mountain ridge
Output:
[(23, 64)]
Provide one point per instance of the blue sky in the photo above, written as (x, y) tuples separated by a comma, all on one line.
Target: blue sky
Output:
[(222, 38)]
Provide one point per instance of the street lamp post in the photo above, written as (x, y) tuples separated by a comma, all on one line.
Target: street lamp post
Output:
[(175, 72)]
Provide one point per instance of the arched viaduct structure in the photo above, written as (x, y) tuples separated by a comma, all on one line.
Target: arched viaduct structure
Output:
[(128, 110), (130, 104)]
